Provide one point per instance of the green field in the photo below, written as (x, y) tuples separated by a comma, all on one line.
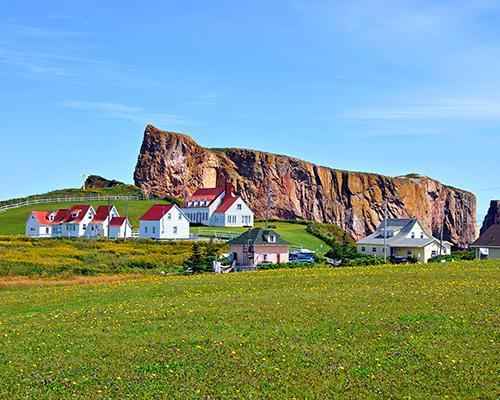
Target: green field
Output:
[(406, 332), (12, 221), (293, 233)]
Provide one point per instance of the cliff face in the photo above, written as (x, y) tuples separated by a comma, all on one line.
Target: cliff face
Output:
[(174, 164), (493, 215)]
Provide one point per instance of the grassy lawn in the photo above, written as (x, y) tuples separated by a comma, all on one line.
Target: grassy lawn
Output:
[(63, 258), (295, 234), (12, 221), (416, 331)]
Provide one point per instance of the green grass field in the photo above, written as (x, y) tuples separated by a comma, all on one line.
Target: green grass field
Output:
[(406, 332), (12, 221), (295, 234)]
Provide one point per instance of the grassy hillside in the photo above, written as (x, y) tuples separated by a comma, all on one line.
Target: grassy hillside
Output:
[(118, 190), (417, 331), (12, 221), (295, 234)]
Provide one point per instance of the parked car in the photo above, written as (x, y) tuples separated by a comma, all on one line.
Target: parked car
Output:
[(302, 256)]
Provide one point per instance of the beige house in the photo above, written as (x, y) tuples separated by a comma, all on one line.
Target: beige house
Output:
[(404, 238), (258, 246), (487, 246)]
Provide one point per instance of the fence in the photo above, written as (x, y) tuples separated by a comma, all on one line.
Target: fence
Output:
[(66, 199), (217, 234)]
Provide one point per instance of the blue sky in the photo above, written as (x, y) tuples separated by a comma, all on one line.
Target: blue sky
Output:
[(383, 86)]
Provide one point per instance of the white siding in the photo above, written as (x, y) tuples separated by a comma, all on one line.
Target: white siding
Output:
[(174, 227)]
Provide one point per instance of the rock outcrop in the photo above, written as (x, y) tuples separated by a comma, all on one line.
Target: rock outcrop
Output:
[(98, 182), (493, 215), (174, 164)]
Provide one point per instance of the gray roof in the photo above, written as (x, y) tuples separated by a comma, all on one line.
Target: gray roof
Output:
[(256, 237), (489, 238), (404, 226)]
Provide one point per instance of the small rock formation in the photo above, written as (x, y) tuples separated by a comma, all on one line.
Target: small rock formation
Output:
[(174, 164), (98, 182), (493, 215)]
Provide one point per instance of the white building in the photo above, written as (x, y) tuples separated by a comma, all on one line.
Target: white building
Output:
[(164, 221), (120, 228), (75, 225), (38, 224), (217, 207), (98, 227), (404, 238), (487, 246)]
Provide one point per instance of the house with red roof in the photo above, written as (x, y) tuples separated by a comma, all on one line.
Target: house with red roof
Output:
[(39, 224), (98, 227), (217, 207), (72, 222), (164, 221), (120, 228)]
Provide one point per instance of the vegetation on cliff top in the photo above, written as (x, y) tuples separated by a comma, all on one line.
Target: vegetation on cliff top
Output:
[(419, 331)]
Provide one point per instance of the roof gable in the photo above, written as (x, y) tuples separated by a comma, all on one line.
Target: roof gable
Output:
[(117, 221), (489, 238), (226, 204), (258, 237), (42, 217), (102, 213), (156, 212)]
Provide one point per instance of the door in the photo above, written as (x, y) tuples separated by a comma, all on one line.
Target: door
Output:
[(278, 258)]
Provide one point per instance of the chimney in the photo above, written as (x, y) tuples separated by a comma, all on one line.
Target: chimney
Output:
[(229, 190)]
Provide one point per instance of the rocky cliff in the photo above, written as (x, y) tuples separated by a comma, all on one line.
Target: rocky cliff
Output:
[(174, 164), (493, 215)]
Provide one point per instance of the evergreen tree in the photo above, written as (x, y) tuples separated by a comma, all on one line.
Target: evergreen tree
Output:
[(196, 261)]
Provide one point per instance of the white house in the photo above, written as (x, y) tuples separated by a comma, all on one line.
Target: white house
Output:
[(75, 225), (487, 246), (404, 238), (164, 221), (120, 228), (217, 207), (98, 227), (38, 224)]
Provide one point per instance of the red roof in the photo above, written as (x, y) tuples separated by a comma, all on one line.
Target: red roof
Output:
[(101, 214), (117, 221), (156, 212), (61, 216), (81, 211), (226, 203), (42, 217)]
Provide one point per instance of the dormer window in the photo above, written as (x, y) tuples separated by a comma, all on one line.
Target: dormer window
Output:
[(238, 207), (75, 214)]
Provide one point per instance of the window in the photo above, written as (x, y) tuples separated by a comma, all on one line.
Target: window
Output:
[(374, 249), (84, 226), (421, 235), (413, 235), (32, 229), (169, 216), (238, 207), (175, 230), (383, 249), (433, 253), (363, 248), (180, 216), (154, 229), (409, 252)]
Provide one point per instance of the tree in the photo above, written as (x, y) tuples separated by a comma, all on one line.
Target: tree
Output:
[(196, 263)]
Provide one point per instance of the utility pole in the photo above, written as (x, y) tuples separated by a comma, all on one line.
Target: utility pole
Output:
[(441, 234), (385, 230), (269, 192), (109, 216)]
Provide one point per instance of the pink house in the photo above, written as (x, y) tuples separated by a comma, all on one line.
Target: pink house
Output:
[(258, 246)]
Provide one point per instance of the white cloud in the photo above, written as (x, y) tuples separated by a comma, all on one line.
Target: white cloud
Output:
[(124, 111), (456, 109)]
